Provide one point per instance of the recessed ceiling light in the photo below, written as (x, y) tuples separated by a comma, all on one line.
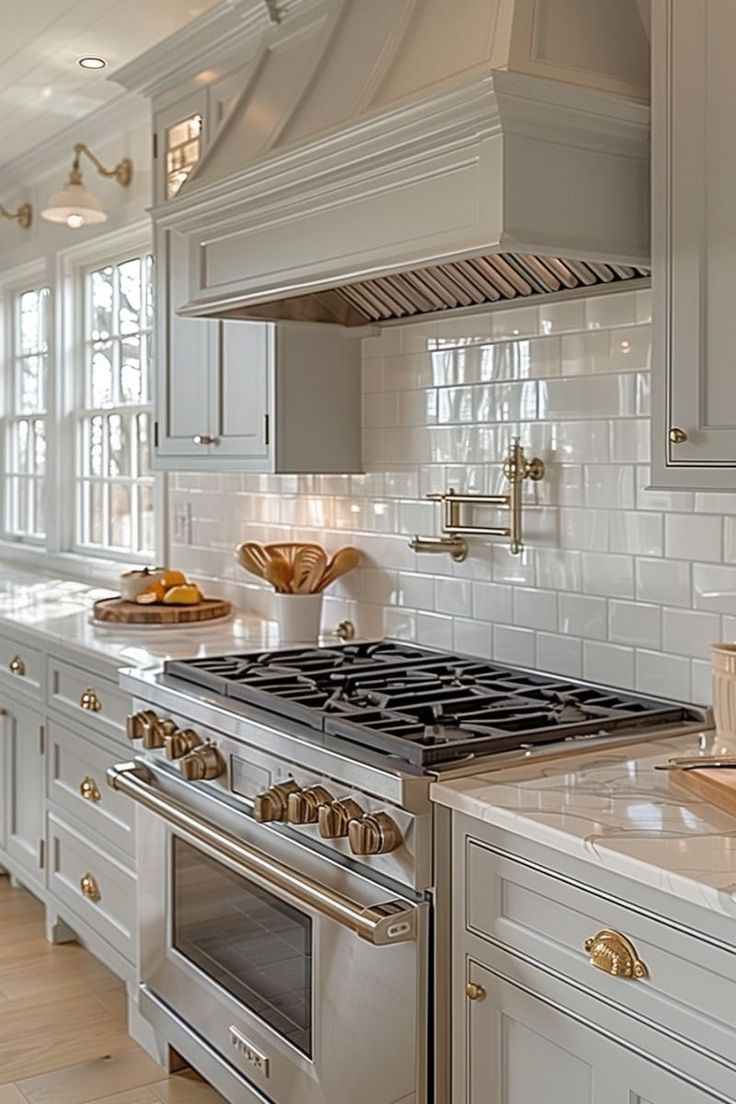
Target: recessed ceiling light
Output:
[(92, 62)]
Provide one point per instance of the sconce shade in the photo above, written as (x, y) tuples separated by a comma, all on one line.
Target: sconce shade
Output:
[(74, 206)]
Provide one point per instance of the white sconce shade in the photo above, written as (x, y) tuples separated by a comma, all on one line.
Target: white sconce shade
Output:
[(74, 206)]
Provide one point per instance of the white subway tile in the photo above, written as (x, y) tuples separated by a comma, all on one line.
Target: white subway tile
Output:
[(416, 407), (513, 645), (609, 664), (611, 396), (714, 588), (416, 591), (609, 485), (694, 537), (663, 675), (631, 349), (635, 623), (585, 353), (492, 602), (535, 609), (515, 322), (663, 581), (636, 533), (539, 358), (558, 569), (580, 442), (729, 539), (644, 305), (629, 439), (613, 309), (380, 409), (504, 402), (584, 529), (648, 498), (562, 317), (702, 682), (561, 655), (582, 615), (452, 596), (685, 632), (608, 575), (434, 630), (515, 569), (472, 637), (455, 404)]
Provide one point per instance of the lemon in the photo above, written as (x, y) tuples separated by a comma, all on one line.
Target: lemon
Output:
[(183, 595)]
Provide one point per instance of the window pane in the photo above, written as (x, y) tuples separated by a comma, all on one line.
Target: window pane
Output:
[(30, 322), (130, 296), (120, 516), (143, 425), (21, 454), (145, 517), (131, 378), (30, 385), (93, 509), (101, 375), (92, 461), (39, 446), (118, 446), (38, 490), (101, 293)]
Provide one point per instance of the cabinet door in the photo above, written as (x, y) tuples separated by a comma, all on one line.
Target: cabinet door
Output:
[(693, 243), (24, 786), (4, 754), (240, 393), (523, 1050)]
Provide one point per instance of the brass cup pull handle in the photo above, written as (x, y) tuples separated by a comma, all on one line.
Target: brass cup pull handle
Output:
[(474, 992), (89, 789), (677, 436), (17, 666), (89, 700), (89, 887), (614, 954)]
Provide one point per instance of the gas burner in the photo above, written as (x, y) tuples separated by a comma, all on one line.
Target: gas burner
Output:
[(421, 706)]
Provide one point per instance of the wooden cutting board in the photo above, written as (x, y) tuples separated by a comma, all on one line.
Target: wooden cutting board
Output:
[(716, 786), (118, 611)]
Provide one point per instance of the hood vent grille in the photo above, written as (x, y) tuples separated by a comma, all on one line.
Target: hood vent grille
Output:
[(478, 281)]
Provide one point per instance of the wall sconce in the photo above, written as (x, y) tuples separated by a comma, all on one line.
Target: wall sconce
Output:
[(23, 216), (74, 205)]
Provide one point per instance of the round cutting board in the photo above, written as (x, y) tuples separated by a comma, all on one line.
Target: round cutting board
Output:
[(118, 611)]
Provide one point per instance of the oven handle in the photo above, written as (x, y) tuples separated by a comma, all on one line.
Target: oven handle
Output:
[(382, 925)]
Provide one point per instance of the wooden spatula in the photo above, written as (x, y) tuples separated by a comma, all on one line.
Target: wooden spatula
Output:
[(252, 556), (344, 560), (309, 567)]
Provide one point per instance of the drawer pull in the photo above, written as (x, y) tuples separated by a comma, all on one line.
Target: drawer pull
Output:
[(17, 666), (89, 700), (89, 790), (89, 887), (614, 954), (474, 992)]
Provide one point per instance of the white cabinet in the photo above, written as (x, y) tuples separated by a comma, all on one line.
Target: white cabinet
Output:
[(24, 791), (693, 243)]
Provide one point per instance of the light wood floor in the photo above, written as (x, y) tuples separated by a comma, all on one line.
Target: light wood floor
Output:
[(62, 1024)]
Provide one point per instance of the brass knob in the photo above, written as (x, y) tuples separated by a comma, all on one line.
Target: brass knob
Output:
[(474, 992), (374, 834), (180, 743), (677, 436), (345, 630), (89, 790), (89, 887), (17, 666), (302, 806), (89, 700), (273, 803), (614, 954), (202, 765), (204, 439), (155, 731), (334, 820), (135, 723)]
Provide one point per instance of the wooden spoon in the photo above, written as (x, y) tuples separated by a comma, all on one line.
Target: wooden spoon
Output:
[(310, 564), (344, 560), (278, 574), (251, 556)]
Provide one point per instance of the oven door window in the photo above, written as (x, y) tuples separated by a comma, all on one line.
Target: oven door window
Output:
[(246, 940)]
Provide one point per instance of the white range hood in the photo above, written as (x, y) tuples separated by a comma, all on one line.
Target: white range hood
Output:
[(393, 158)]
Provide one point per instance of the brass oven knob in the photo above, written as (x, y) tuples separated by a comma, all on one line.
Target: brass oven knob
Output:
[(202, 764), (89, 789), (272, 804), (374, 834), (155, 731), (613, 953), (302, 806), (136, 722), (180, 743), (89, 887), (89, 700), (334, 819)]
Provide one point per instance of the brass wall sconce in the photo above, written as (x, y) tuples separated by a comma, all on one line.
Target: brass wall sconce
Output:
[(74, 205), (516, 469), (23, 216)]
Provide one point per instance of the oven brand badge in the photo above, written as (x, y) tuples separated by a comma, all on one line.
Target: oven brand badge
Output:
[(252, 1054)]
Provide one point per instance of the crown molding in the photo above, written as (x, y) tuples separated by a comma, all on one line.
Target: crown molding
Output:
[(127, 109), (208, 41)]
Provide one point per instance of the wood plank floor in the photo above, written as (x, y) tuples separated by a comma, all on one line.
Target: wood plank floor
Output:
[(62, 1024)]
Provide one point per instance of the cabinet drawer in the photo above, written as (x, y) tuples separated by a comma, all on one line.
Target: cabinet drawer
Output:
[(688, 987), (98, 701), (21, 667), (100, 890), (76, 783)]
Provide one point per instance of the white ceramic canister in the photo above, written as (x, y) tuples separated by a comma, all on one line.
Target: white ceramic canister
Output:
[(724, 688), (299, 617)]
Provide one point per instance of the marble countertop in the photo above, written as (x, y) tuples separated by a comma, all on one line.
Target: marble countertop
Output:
[(613, 809), (58, 611)]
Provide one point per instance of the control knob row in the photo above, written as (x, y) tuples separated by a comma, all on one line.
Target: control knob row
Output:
[(198, 761), (367, 833)]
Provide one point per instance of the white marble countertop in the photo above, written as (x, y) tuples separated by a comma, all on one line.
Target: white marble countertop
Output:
[(613, 809), (58, 611)]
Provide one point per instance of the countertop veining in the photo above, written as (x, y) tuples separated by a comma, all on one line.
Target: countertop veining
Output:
[(613, 809)]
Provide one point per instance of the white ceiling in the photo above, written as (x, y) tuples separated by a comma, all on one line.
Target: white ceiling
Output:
[(42, 89)]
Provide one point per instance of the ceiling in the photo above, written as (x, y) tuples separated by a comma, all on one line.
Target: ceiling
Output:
[(42, 89)]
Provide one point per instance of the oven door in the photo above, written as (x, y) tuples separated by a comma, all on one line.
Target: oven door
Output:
[(307, 978)]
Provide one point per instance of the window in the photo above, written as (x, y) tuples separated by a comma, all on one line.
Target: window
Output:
[(25, 422), (183, 141), (114, 482)]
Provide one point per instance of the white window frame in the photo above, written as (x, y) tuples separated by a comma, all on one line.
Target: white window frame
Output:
[(28, 277), (73, 265)]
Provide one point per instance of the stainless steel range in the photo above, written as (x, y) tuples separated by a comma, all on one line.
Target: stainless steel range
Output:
[(291, 886)]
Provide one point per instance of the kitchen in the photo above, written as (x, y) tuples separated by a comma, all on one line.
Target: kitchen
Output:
[(395, 332)]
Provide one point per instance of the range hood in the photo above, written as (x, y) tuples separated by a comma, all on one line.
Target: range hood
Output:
[(390, 159)]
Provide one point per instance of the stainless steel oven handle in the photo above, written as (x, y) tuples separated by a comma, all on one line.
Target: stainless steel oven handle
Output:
[(382, 925)]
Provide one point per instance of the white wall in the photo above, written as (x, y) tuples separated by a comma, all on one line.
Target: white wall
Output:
[(617, 583)]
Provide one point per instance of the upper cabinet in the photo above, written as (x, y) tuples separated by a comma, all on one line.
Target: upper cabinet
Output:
[(239, 396), (694, 243)]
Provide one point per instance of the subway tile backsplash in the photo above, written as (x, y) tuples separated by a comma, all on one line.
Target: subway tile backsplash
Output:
[(617, 583)]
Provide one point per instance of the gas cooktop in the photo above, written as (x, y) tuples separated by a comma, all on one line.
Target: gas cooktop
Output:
[(423, 706)]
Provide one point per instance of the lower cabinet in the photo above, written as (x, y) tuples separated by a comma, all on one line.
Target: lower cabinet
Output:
[(24, 736)]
